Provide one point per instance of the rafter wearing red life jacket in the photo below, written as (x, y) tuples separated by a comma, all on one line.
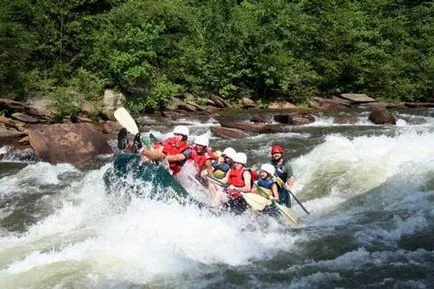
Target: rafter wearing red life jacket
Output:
[(199, 159), (173, 146)]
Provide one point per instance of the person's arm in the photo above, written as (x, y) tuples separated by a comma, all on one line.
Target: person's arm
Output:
[(247, 182), (275, 191), (179, 157), (291, 179), (208, 166), (226, 177), (175, 158)]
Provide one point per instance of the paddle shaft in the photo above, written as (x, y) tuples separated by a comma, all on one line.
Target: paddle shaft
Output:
[(279, 180)]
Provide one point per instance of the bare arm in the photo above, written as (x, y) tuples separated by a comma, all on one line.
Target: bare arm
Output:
[(290, 182), (175, 158), (275, 191)]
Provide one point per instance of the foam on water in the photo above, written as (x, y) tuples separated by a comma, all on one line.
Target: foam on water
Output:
[(90, 229), (40, 173)]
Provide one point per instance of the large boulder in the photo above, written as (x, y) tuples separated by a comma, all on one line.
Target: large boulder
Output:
[(382, 116), (301, 118), (68, 143)]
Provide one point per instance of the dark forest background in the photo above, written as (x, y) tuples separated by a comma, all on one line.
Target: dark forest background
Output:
[(70, 50)]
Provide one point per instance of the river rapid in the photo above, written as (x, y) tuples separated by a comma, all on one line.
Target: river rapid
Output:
[(370, 191)]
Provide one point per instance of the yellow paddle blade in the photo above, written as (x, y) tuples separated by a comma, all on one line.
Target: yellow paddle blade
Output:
[(257, 202), (126, 120), (287, 214)]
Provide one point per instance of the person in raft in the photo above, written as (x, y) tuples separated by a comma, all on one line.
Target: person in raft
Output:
[(239, 179), (266, 185), (175, 150), (283, 173), (202, 157), (222, 166)]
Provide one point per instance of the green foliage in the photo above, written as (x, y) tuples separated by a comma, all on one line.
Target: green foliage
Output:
[(154, 50), (68, 99)]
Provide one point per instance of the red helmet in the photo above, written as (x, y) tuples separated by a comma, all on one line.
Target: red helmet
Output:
[(276, 149)]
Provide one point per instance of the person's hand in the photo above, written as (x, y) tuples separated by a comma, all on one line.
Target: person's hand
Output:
[(138, 141)]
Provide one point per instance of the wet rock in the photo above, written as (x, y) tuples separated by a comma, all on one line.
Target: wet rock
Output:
[(301, 119), (346, 120), (253, 127), (333, 103), (24, 117), (282, 118), (382, 116), (68, 143), (173, 114), (10, 135), (260, 118), (228, 133), (246, 102), (197, 106)]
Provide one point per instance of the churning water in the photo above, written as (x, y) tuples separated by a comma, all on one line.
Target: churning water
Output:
[(370, 190)]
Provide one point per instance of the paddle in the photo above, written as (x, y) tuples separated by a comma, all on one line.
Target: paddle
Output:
[(286, 212), (255, 201), (126, 120), (280, 183)]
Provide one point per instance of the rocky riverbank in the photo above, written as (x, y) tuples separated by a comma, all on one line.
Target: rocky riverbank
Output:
[(80, 139)]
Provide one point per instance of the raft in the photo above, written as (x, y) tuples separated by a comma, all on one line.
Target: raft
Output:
[(131, 175)]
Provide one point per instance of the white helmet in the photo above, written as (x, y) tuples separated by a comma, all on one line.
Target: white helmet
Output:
[(240, 158), (269, 168), (229, 152), (202, 141), (181, 129)]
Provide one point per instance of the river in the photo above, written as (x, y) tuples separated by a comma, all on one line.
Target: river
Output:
[(370, 190)]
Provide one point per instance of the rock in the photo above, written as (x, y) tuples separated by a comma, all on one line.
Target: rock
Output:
[(68, 143), (110, 127), (246, 102), (419, 104), (282, 118), (187, 107), (111, 101), (260, 118), (382, 116), (333, 103), (173, 114), (228, 133), (218, 101), (83, 119), (281, 104), (356, 98), (24, 140), (253, 127), (11, 106), (18, 125), (8, 135), (24, 117), (301, 119), (197, 106)]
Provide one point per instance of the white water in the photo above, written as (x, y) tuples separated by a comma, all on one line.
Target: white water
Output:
[(92, 241)]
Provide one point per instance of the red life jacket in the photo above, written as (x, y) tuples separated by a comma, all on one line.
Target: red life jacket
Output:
[(200, 159), (173, 146), (236, 177)]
